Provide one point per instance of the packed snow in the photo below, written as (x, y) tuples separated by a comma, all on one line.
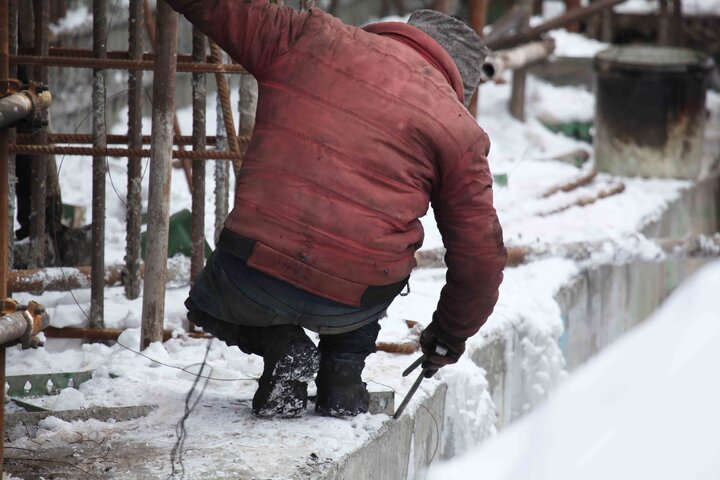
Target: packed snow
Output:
[(646, 407), (223, 425)]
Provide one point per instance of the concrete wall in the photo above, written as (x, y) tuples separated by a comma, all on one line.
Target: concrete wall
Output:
[(402, 449)]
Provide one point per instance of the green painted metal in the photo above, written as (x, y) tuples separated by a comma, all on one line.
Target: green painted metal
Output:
[(179, 236), (44, 383)]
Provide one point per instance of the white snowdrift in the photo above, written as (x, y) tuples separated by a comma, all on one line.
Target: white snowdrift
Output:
[(647, 407)]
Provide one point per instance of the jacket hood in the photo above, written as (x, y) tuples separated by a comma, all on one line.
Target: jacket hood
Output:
[(426, 46)]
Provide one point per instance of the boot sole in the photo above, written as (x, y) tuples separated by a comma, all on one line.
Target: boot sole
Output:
[(284, 394)]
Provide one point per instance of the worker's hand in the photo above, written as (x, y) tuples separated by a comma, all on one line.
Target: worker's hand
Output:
[(439, 348)]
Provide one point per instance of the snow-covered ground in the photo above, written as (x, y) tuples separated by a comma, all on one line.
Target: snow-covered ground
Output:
[(223, 423), (646, 407)]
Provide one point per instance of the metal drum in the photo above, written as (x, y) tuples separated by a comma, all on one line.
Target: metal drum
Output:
[(650, 111)]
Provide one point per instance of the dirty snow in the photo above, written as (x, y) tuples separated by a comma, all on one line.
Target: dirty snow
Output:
[(643, 408), (223, 425)]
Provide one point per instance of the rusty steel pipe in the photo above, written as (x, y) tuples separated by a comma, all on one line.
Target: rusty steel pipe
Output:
[(22, 323), (153, 312), (557, 22), (86, 139), (106, 334), (19, 106), (118, 152), (121, 64), (123, 55)]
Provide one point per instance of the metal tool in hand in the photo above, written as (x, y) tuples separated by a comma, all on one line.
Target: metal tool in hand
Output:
[(440, 350)]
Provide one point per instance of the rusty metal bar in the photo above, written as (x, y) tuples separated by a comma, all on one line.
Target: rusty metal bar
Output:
[(197, 257), (12, 134), (160, 175), (224, 94), (557, 22), (4, 190), (97, 274), (105, 334), (134, 140), (121, 55), (18, 106), (4, 151), (86, 139), (519, 77), (118, 152), (120, 64), (41, 10), (478, 18), (60, 279), (222, 174)]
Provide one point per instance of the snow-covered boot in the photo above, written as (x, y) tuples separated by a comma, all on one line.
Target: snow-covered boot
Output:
[(340, 389), (289, 365)]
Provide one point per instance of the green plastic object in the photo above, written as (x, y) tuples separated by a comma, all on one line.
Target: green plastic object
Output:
[(577, 130), (500, 179), (179, 236)]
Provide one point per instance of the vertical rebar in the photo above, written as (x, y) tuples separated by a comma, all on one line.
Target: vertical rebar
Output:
[(13, 45), (38, 199), (222, 174), (197, 256), (160, 175), (133, 211), (478, 18), (4, 160), (224, 94), (4, 150), (97, 272), (517, 91)]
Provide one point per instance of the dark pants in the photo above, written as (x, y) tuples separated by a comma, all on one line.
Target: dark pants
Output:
[(244, 307), (255, 340)]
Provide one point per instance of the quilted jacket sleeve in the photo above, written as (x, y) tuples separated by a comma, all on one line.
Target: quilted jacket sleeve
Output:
[(253, 32), (475, 256)]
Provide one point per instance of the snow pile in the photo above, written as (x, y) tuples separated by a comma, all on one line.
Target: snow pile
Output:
[(689, 7), (568, 44), (550, 103), (646, 407), (469, 409)]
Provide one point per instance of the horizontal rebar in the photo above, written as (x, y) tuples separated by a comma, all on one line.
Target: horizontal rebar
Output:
[(83, 138), (114, 54), (120, 64), (117, 152)]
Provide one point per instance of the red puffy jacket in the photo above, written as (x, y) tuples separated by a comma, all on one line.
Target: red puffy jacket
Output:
[(357, 130)]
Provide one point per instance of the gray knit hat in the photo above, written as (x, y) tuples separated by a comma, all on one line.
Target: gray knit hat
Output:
[(461, 42)]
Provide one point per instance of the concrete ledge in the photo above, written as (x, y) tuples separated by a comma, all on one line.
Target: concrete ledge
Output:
[(402, 449)]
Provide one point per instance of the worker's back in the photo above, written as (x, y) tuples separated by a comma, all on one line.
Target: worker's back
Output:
[(352, 130)]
